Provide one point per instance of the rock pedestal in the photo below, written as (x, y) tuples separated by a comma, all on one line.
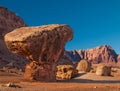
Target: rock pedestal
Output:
[(42, 45)]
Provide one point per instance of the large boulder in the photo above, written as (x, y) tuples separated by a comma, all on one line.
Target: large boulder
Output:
[(103, 70), (83, 66), (43, 45)]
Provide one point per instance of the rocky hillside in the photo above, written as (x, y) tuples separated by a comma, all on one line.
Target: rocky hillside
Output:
[(8, 22), (100, 54)]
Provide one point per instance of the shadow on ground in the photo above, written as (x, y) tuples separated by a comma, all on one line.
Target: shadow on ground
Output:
[(90, 81)]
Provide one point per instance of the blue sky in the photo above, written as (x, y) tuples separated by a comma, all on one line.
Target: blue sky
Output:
[(94, 22)]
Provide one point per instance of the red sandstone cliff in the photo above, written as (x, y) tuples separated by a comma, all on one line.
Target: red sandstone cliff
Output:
[(101, 54), (8, 22)]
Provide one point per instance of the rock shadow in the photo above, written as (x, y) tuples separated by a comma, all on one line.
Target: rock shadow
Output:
[(89, 81)]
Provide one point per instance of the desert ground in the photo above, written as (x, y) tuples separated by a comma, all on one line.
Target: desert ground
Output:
[(82, 82)]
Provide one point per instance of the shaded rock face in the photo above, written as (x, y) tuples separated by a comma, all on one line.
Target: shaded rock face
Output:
[(103, 70), (102, 54), (83, 66), (43, 45), (73, 55), (118, 60), (64, 60), (8, 22), (65, 72)]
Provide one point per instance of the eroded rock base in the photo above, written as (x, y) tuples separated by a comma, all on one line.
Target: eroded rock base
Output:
[(40, 72)]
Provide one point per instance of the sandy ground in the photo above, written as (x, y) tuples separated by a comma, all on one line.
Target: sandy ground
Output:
[(83, 82)]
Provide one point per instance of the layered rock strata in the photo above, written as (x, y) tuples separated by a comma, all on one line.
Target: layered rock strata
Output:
[(101, 54)]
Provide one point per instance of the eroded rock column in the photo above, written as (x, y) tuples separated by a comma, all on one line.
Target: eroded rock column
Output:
[(43, 46)]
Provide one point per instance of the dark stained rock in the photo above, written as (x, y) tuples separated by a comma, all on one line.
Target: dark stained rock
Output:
[(118, 60)]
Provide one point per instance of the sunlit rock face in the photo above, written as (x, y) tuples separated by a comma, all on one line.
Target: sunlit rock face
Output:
[(8, 22), (42, 45)]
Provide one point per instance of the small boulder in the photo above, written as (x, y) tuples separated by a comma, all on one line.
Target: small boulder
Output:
[(65, 72), (103, 70), (84, 66)]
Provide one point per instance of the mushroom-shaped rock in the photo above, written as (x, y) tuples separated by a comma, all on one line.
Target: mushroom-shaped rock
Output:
[(42, 45)]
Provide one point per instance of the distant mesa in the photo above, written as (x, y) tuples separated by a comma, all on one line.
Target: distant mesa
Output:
[(101, 54)]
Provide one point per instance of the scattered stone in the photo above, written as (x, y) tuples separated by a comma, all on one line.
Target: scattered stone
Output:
[(42, 45), (103, 70), (94, 87), (84, 66), (65, 72), (12, 85)]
